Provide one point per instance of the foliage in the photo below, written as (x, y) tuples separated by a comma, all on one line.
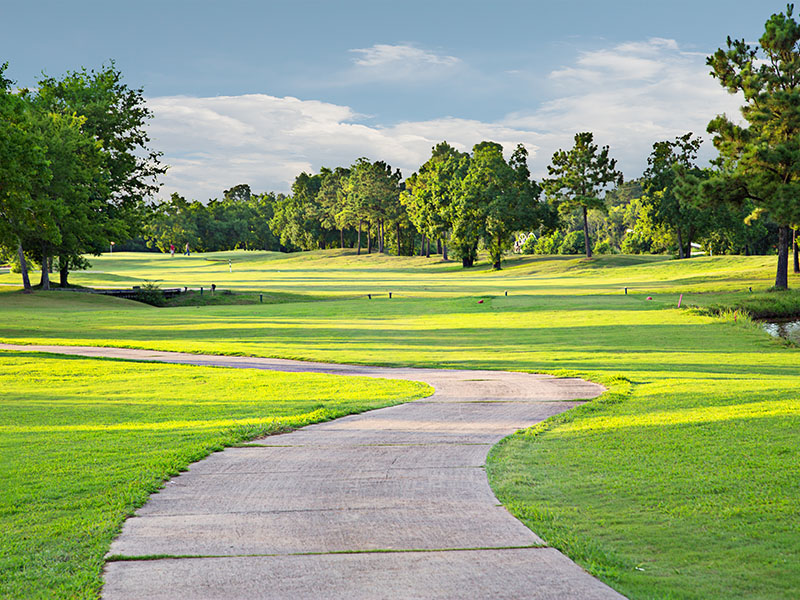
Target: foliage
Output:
[(431, 193), (578, 177), (761, 161), (603, 247), (239, 220), (24, 171), (573, 243), (672, 191), (150, 293), (618, 485), (549, 244), (104, 169), (497, 198)]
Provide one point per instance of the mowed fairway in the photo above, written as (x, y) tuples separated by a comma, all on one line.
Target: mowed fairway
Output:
[(83, 442), (681, 483)]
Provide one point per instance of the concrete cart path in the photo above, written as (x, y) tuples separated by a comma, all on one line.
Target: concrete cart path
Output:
[(393, 503)]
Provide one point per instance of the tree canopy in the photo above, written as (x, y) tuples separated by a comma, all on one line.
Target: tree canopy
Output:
[(579, 176), (762, 158)]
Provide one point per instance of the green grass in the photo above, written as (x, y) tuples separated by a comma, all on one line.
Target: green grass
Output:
[(680, 483), (340, 273), (83, 442)]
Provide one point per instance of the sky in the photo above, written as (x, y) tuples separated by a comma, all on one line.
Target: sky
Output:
[(256, 92)]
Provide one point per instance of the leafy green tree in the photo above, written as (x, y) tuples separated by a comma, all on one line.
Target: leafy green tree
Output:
[(114, 116), (296, 219), (578, 177), (763, 157), (23, 171), (74, 195), (496, 199), (173, 222), (373, 197), (431, 192), (676, 205), (332, 201)]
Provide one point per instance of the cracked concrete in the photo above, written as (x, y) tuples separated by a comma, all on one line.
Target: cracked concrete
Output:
[(393, 503)]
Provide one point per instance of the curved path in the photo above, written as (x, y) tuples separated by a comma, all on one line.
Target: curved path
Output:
[(393, 503)]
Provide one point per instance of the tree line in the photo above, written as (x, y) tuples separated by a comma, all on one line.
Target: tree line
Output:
[(76, 169)]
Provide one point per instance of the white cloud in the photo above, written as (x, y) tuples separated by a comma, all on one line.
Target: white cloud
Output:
[(398, 62), (630, 96), (214, 143), (382, 55)]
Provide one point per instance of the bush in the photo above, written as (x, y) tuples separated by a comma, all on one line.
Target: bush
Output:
[(151, 294), (573, 243), (604, 247), (548, 244), (635, 242), (529, 245)]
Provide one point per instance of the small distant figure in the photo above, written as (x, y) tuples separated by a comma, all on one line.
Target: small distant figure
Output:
[(172, 250), (230, 266), (186, 249)]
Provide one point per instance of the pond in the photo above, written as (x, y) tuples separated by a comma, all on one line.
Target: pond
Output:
[(785, 328)]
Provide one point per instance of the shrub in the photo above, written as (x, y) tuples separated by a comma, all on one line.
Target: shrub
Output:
[(151, 294), (603, 247), (573, 243), (548, 244)]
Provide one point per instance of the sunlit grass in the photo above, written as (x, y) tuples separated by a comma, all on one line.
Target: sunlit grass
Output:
[(83, 442), (680, 483)]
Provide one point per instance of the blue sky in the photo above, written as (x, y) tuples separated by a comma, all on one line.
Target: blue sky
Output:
[(247, 92)]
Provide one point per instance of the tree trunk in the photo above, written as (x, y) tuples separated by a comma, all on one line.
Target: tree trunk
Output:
[(444, 251), (467, 261), (680, 244), (23, 266), (369, 237), (586, 233), (499, 256), (782, 274), (399, 246), (439, 246), (422, 245), (689, 238), (380, 236), (341, 238), (63, 271), (796, 261), (45, 281), (427, 247), (358, 242)]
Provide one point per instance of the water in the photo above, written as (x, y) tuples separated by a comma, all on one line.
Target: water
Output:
[(785, 328)]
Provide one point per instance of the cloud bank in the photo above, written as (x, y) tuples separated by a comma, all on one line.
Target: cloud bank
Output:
[(629, 95)]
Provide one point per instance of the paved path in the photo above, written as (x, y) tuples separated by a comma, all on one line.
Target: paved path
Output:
[(393, 503)]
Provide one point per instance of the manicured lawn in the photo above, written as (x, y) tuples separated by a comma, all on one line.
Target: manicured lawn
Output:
[(680, 483), (83, 442)]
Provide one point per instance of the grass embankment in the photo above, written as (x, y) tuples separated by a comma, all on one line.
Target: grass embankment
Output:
[(681, 483), (83, 442), (761, 304)]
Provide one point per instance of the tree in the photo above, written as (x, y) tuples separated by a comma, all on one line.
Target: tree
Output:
[(114, 116), (431, 192), (373, 197), (674, 202), (23, 171), (74, 195), (763, 158), (296, 220), (578, 177)]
